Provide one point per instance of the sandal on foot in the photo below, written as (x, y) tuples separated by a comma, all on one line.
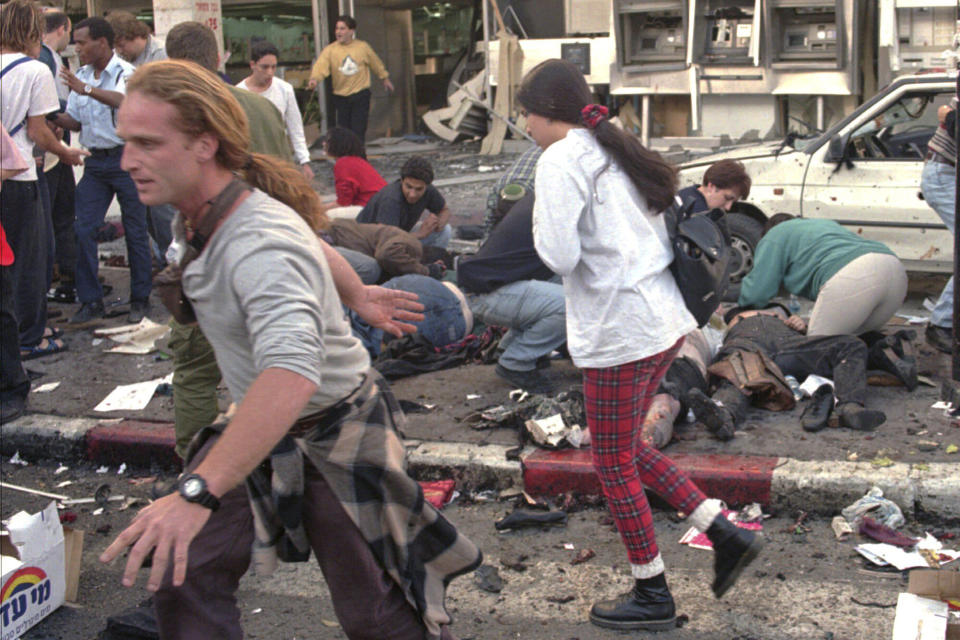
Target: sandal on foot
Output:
[(44, 348), (52, 333)]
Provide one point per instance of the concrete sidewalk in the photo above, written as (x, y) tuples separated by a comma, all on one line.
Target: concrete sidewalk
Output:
[(779, 484)]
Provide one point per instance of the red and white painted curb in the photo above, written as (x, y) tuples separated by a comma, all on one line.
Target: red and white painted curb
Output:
[(778, 484)]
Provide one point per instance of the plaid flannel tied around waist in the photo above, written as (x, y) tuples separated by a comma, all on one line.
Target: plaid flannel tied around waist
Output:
[(357, 446)]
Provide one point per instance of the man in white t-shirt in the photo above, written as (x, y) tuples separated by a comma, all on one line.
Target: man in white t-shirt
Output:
[(27, 95), (264, 58), (60, 180)]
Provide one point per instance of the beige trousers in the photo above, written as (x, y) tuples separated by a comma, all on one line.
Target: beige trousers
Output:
[(860, 297)]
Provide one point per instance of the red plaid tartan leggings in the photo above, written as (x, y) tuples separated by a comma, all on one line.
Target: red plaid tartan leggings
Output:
[(616, 401)]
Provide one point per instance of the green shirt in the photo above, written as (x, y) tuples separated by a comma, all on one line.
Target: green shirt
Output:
[(802, 254), (267, 132)]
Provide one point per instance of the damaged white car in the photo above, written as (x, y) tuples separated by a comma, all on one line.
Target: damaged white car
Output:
[(863, 172)]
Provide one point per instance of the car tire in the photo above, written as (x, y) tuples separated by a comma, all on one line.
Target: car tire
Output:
[(745, 233)]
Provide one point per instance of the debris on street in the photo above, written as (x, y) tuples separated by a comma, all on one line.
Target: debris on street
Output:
[(879, 508), (135, 339), (519, 519), (131, 397)]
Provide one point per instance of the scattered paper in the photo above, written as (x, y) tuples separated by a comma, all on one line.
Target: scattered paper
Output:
[(65, 483), (135, 339), (16, 459), (474, 396), (132, 397), (697, 540), (883, 554), (97, 511), (912, 319), (122, 468), (103, 469), (929, 304), (96, 342), (812, 383), (46, 388), (519, 395), (569, 546), (61, 469), (257, 610), (919, 618)]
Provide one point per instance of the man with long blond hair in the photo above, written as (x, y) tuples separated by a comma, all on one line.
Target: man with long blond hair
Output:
[(313, 417)]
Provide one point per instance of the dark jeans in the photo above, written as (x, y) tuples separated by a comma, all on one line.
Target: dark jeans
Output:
[(353, 111), (102, 179), (49, 242), (368, 603), (13, 379), (62, 188), (840, 358), (22, 215)]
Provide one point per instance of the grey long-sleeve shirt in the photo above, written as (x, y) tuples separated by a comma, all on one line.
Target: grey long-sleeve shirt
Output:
[(264, 297)]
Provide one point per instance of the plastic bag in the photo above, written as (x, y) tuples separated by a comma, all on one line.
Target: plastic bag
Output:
[(877, 507)]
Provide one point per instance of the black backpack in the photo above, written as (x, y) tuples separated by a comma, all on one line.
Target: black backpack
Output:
[(701, 256)]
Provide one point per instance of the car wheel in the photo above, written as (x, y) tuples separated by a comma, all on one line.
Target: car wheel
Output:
[(745, 233)]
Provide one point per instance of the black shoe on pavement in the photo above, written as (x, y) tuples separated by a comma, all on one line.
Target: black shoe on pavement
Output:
[(733, 549), (531, 381), (940, 338), (138, 310), (717, 419), (855, 416), (884, 356), (64, 293), (648, 607), (12, 408), (817, 413), (89, 312)]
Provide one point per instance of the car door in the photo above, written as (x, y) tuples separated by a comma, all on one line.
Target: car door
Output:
[(875, 189)]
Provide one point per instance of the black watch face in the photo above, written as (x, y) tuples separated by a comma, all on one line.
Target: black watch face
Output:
[(192, 487)]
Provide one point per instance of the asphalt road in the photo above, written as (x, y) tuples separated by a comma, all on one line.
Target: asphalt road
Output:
[(804, 586)]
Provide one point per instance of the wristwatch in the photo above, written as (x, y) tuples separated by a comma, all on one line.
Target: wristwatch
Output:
[(193, 488), (87, 89)]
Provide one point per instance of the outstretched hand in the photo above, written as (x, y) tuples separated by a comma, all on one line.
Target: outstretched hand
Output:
[(165, 526), (389, 309)]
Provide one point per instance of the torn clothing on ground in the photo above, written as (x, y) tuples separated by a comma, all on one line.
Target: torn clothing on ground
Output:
[(356, 445), (412, 354), (757, 376)]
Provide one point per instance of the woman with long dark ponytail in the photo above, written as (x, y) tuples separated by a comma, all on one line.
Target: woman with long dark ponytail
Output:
[(596, 223)]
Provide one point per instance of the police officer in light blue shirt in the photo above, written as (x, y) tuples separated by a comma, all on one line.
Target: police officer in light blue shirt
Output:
[(96, 92)]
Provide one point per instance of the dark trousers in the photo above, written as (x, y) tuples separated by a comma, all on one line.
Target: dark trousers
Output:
[(353, 111), (840, 358), (102, 180), (159, 224), (62, 188), (368, 603), (13, 379), (21, 214)]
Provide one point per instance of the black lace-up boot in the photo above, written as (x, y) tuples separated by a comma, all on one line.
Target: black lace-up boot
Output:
[(648, 606), (734, 548)]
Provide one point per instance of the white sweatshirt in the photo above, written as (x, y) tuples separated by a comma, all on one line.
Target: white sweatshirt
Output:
[(592, 227), (280, 93)]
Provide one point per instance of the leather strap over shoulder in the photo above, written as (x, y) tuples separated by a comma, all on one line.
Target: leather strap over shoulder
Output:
[(219, 207)]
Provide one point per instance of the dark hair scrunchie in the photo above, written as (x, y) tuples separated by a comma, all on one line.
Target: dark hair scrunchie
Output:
[(593, 114), (248, 163)]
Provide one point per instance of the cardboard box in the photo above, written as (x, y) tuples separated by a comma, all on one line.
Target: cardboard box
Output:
[(36, 571), (929, 610)]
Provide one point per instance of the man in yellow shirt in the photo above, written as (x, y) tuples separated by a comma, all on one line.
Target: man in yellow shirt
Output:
[(349, 62)]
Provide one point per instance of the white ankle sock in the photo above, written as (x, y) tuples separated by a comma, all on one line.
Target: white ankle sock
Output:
[(643, 571), (703, 516)]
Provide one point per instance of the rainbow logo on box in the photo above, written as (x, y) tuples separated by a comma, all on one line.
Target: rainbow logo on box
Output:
[(27, 589)]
